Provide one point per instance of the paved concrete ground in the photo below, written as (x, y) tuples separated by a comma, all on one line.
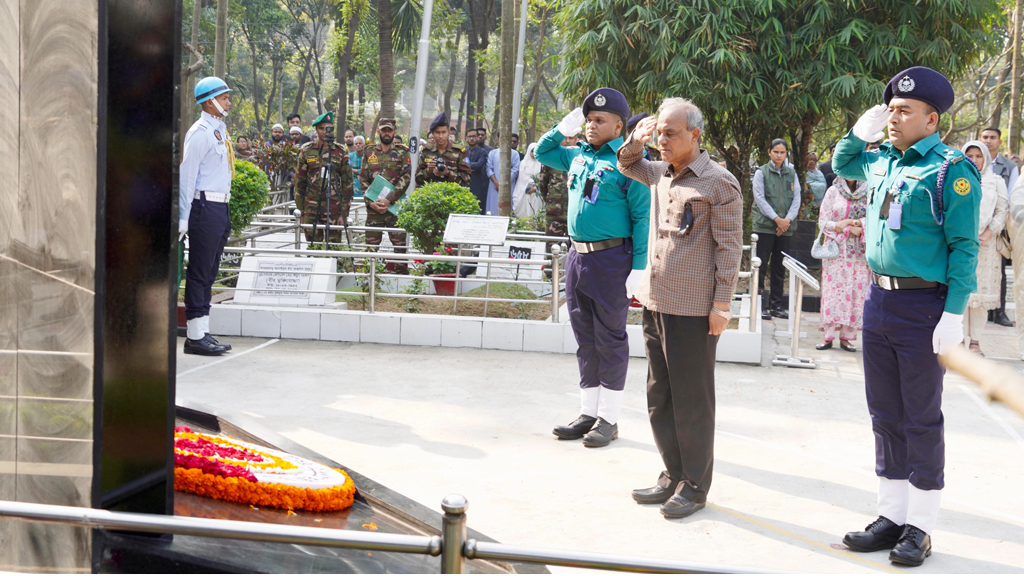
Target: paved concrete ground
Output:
[(793, 468)]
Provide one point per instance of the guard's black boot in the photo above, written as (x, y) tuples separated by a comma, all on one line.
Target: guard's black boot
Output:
[(576, 429), (203, 347), (780, 313), (209, 338), (1000, 317), (601, 434), (881, 534), (913, 547)]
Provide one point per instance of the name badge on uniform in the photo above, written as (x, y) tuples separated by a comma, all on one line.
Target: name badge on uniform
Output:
[(881, 171), (895, 215), (579, 160)]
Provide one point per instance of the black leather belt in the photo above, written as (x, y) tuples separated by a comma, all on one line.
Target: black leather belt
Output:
[(588, 247), (893, 283)]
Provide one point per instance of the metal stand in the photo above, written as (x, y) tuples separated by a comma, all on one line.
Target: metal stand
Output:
[(487, 286), (799, 272), (458, 270), (453, 534), (755, 285), (555, 251)]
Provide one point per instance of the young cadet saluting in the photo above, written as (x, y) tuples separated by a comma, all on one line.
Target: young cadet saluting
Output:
[(921, 233), (608, 224)]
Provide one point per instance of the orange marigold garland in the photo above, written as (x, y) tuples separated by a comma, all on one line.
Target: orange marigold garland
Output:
[(237, 471)]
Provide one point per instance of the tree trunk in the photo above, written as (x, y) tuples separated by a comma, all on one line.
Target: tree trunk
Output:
[(469, 93), (188, 99), (386, 63), (504, 106), (255, 87), (535, 93), (498, 99), (273, 91), (451, 77), (1015, 79), (221, 41), (361, 110), (299, 93)]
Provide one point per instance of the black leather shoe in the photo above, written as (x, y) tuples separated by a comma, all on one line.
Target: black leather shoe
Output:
[(203, 347), (766, 314), (847, 347), (1000, 317), (825, 346), (913, 547), (210, 338), (680, 507), (601, 434), (879, 535), (780, 313), (576, 429), (653, 495)]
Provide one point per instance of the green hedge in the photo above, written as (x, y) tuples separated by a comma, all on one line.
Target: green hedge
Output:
[(249, 192), (424, 213)]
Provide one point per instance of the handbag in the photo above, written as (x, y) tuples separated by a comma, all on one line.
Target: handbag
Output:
[(824, 250), (1003, 245)]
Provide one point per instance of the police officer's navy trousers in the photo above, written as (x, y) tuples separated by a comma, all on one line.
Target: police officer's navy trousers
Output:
[(595, 293), (209, 225), (903, 381)]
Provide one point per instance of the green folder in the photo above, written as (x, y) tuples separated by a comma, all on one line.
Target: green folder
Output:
[(381, 188)]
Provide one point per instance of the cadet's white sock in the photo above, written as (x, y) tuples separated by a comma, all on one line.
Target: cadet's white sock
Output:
[(588, 401), (195, 329), (206, 325), (892, 499), (610, 405), (923, 508)]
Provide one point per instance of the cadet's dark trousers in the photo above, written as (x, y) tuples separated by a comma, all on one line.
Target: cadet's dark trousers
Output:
[(903, 381), (769, 249), (208, 228), (681, 399), (595, 292)]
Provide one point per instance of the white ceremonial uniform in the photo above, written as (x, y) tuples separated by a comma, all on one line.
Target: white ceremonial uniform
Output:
[(205, 164)]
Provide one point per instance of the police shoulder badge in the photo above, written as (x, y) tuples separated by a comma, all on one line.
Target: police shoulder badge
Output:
[(906, 84), (962, 186), (216, 134), (600, 100)]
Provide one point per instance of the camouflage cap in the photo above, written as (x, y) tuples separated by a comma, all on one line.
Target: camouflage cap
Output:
[(386, 122)]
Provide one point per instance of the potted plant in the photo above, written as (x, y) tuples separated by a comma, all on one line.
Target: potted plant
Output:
[(440, 270)]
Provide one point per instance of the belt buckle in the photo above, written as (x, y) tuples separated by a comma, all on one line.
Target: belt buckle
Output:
[(885, 282)]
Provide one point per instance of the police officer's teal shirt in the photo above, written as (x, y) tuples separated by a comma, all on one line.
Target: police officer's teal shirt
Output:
[(623, 206), (945, 253)]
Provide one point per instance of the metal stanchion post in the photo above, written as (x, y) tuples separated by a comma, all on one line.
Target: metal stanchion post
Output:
[(555, 251), (487, 286), (458, 270), (797, 312), (755, 263), (453, 534), (298, 228), (373, 279), (798, 272)]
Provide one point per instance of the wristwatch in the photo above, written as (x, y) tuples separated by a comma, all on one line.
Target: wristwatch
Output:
[(727, 314)]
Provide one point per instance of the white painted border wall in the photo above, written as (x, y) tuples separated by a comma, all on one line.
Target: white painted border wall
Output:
[(434, 330)]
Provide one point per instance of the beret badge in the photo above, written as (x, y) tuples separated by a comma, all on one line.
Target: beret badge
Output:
[(906, 84), (600, 100)]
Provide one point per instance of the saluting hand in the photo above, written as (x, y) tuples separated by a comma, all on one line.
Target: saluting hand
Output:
[(646, 128)]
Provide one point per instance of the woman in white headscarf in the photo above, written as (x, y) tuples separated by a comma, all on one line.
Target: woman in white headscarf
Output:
[(525, 204), (991, 219)]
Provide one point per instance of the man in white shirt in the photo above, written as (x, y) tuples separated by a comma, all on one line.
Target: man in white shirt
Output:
[(1006, 169)]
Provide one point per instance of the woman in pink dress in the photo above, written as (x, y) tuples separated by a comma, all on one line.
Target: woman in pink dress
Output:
[(844, 279)]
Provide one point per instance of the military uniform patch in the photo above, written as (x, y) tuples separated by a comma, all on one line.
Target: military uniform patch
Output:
[(372, 158), (216, 134), (962, 186)]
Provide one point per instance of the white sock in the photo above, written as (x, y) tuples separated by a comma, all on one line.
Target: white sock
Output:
[(195, 329), (205, 323), (892, 499), (610, 405), (923, 508), (588, 401)]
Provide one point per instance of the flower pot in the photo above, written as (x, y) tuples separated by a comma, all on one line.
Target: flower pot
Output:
[(443, 287)]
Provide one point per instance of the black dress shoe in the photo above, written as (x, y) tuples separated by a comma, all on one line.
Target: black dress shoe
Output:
[(576, 429), (680, 506), (653, 495), (1000, 317), (210, 338), (203, 347), (847, 347), (879, 535), (780, 313), (825, 346), (601, 434), (766, 314), (913, 547)]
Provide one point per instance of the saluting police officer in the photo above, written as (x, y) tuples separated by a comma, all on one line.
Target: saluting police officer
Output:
[(921, 232), (608, 224), (320, 206), (650, 152), (204, 189)]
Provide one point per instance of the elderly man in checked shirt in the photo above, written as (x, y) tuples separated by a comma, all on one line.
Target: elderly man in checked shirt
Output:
[(693, 262)]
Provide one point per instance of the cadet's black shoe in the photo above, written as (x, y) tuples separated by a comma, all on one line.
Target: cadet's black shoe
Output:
[(653, 495), (913, 547), (601, 434), (780, 313), (576, 429), (680, 506), (825, 346), (203, 347), (209, 338), (766, 314), (1000, 317), (881, 534)]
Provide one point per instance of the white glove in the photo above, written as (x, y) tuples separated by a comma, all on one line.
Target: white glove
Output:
[(182, 228), (870, 125), (572, 123), (633, 282), (948, 332)]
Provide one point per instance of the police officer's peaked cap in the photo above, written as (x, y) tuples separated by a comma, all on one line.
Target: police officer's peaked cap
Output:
[(439, 120), (209, 87), (386, 123), (325, 117), (606, 100), (634, 120), (924, 84)]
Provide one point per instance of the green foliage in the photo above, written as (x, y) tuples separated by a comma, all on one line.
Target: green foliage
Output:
[(443, 267), (425, 212), (249, 190)]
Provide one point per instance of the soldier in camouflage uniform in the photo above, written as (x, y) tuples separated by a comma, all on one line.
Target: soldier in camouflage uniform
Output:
[(554, 190), (391, 161), (310, 198), (455, 160)]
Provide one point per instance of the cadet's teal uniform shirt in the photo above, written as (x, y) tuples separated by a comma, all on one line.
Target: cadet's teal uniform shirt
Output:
[(946, 253), (623, 206)]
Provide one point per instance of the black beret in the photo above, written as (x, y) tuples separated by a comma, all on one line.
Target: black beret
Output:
[(924, 84), (439, 120), (634, 120), (606, 100)]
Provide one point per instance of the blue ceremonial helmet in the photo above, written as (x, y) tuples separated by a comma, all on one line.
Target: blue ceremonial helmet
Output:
[(209, 87)]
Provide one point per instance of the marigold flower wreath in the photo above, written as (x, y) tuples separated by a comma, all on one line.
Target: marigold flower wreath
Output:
[(236, 471)]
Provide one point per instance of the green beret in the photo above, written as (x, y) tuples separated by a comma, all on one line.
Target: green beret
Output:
[(325, 117)]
